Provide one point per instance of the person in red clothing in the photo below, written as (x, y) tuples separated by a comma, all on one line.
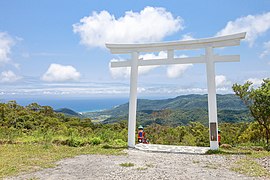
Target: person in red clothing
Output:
[(141, 134), (219, 137)]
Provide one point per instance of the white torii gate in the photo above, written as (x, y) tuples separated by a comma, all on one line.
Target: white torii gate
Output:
[(209, 59)]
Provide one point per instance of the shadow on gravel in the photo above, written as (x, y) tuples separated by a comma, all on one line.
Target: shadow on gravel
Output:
[(106, 146)]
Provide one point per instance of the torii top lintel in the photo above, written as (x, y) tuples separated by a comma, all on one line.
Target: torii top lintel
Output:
[(215, 42)]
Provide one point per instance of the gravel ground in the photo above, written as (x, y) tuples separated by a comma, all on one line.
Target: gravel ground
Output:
[(147, 165)]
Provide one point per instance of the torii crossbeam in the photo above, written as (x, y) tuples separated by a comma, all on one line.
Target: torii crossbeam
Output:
[(209, 59)]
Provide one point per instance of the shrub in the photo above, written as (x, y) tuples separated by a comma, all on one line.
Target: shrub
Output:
[(189, 140), (119, 142), (95, 141), (75, 141)]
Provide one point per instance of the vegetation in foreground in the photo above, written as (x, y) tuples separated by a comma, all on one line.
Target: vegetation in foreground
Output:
[(34, 137), (258, 103), (40, 124)]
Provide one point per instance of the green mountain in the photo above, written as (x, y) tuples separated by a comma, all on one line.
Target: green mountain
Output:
[(192, 101), (178, 111), (68, 112)]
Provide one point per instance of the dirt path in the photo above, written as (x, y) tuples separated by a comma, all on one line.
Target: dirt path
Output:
[(146, 166)]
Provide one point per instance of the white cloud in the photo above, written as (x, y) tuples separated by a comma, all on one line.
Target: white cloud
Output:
[(6, 42), (256, 81), (120, 72), (124, 72), (146, 69), (187, 37), (174, 71), (60, 73), (266, 51), (8, 77), (254, 25), (150, 24), (178, 70), (222, 81), (86, 89)]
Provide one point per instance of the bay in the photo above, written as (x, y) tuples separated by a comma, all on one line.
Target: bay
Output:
[(79, 105)]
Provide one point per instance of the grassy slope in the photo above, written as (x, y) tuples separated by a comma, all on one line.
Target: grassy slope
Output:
[(17, 158)]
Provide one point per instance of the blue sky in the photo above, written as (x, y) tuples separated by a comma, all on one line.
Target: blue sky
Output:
[(56, 48)]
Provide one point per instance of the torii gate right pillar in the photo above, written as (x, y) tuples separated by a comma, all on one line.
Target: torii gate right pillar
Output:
[(212, 102)]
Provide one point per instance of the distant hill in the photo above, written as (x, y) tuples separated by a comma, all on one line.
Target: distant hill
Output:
[(178, 111), (192, 101), (189, 102), (68, 112)]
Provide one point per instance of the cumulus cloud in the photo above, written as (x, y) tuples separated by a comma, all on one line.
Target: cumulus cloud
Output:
[(178, 70), (254, 25), (6, 42), (174, 71), (147, 69), (266, 51), (60, 73), (124, 72), (222, 81), (150, 24), (120, 72), (9, 77)]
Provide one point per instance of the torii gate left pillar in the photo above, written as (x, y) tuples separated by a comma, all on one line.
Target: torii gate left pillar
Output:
[(209, 59), (133, 100)]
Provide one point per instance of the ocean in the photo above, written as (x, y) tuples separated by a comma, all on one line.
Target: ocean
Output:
[(79, 105)]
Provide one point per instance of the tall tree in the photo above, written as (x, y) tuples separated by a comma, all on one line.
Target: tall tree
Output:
[(258, 102)]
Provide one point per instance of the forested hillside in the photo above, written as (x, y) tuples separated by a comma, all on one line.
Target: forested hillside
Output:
[(178, 111), (68, 112)]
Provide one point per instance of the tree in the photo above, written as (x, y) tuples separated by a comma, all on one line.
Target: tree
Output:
[(258, 102), (34, 107)]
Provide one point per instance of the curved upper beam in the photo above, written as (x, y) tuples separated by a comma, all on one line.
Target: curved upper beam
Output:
[(221, 41)]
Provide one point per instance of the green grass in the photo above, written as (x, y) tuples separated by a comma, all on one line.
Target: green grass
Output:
[(229, 152), (249, 167), (150, 165), (246, 165), (249, 151), (211, 166), (16, 158), (142, 168), (260, 154), (127, 164)]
